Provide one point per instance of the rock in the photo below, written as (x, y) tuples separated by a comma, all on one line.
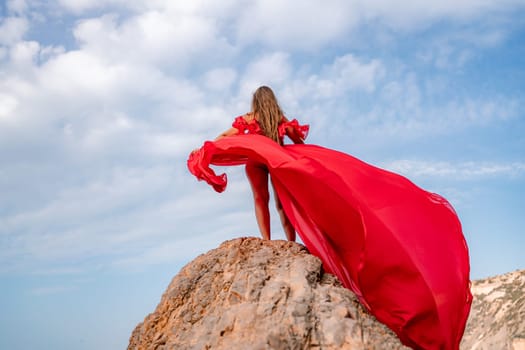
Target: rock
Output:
[(255, 294), (497, 316)]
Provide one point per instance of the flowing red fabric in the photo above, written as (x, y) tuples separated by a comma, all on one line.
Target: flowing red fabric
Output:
[(399, 248)]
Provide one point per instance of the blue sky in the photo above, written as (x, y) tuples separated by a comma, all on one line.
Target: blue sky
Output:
[(101, 101)]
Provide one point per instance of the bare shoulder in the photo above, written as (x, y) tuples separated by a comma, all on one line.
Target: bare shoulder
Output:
[(249, 116)]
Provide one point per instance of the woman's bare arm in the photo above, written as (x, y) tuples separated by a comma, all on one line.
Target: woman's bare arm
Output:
[(231, 131), (293, 134)]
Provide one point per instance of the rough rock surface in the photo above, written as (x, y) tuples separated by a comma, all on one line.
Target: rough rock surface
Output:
[(255, 294), (497, 317)]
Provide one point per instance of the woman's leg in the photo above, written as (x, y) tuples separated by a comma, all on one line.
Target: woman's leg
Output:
[(258, 177), (287, 225)]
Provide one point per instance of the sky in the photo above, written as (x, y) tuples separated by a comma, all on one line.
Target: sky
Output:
[(101, 101)]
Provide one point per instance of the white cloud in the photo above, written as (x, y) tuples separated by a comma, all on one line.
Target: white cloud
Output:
[(220, 79), (89, 200), (303, 87), (182, 250), (345, 74), (294, 24), (153, 37), (453, 50), (170, 144), (409, 14), (313, 92), (17, 7), (86, 101), (7, 105), (80, 6), (23, 55), (291, 24), (12, 29), (409, 107), (457, 171), (87, 220), (314, 24), (272, 69), (120, 213), (49, 290), (77, 73)]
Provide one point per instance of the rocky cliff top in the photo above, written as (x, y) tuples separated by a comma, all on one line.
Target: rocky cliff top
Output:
[(256, 294)]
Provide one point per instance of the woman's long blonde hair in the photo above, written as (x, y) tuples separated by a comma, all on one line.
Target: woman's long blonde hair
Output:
[(267, 111)]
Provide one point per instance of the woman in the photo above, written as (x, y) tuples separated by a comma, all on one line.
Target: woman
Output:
[(399, 248), (266, 118)]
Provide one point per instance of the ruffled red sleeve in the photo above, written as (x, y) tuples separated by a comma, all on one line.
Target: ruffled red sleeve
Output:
[(246, 128), (301, 130), (240, 124)]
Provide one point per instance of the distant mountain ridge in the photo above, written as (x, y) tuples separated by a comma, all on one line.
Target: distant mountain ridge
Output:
[(497, 317)]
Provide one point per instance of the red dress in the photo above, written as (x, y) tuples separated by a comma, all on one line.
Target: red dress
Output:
[(399, 248)]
